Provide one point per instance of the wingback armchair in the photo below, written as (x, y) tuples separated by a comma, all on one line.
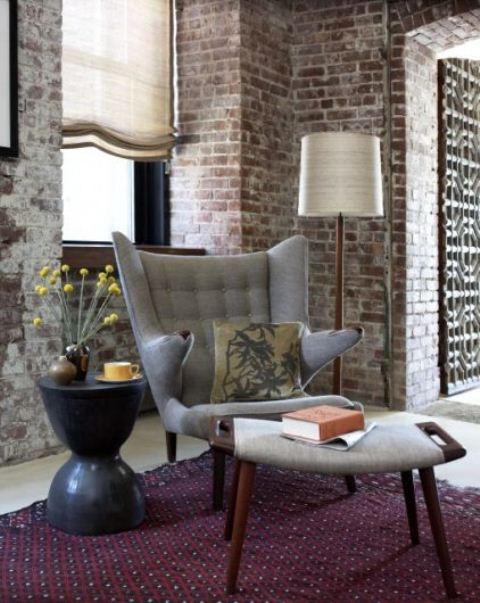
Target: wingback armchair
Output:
[(172, 302)]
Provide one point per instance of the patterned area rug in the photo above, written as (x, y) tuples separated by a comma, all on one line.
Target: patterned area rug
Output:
[(307, 540)]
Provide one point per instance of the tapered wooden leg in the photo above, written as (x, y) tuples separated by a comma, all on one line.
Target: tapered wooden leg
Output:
[(409, 494), (351, 484), (232, 502), (244, 494), (218, 479), (430, 493), (171, 446)]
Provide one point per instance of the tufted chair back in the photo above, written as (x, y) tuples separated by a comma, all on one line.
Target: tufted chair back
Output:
[(189, 292)]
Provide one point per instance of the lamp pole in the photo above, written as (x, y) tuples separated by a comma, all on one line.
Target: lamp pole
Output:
[(337, 365), (340, 175)]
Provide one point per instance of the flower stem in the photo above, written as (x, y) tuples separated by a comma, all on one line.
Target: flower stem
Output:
[(91, 310), (80, 304), (68, 314), (65, 314), (96, 320)]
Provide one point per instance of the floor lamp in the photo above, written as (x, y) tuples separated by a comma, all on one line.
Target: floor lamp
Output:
[(340, 175)]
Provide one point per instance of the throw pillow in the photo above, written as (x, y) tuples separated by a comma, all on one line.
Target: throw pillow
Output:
[(256, 361)]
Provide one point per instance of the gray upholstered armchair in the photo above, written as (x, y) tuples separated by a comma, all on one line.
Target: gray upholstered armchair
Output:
[(172, 302)]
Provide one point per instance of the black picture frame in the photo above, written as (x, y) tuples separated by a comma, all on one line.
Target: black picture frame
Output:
[(9, 80)]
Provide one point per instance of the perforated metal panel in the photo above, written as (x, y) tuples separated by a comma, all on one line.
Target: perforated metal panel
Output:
[(459, 165)]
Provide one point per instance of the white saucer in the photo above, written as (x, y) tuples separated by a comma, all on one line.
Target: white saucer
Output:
[(101, 377)]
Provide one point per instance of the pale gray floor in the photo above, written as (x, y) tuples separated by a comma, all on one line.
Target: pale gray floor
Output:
[(25, 483), (471, 396)]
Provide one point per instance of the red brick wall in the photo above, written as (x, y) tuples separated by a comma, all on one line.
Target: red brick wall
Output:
[(205, 183), (268, 167), (338, 85), (253, 77), (417, 27), (233, 168), (301, 66)]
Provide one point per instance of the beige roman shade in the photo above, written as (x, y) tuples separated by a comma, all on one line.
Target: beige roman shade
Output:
[(117, 80)]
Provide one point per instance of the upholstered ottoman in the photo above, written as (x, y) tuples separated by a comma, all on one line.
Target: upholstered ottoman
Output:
[(386, 449)]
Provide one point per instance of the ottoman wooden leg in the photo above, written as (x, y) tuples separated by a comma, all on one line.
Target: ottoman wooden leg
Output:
[(430, 493), (171, 446), (409, 494), (351, 484), (232, 501), (244, 494), (218, 479)]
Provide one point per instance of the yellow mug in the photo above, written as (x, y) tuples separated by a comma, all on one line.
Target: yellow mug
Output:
[(120, 371)]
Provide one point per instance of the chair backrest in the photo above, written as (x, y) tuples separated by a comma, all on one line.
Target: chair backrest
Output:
[(189, 292)]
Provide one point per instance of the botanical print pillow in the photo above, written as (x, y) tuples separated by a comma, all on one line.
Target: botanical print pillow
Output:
[(257, 361)]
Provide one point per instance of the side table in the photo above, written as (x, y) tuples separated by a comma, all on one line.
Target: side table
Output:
[(95, 491)]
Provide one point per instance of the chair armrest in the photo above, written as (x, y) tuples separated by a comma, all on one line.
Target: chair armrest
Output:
[(163, 356), (173, 347), (319, 348)]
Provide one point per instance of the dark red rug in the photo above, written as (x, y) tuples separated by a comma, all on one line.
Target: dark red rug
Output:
[(307, 541)]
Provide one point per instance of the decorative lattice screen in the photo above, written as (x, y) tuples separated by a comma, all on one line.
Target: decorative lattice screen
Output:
[(459, 165)]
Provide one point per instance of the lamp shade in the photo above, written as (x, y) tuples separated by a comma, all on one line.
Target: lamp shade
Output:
[(340, 172)]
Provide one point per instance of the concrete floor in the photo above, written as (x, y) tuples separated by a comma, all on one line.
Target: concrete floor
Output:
[(471, 396), (22, 484)]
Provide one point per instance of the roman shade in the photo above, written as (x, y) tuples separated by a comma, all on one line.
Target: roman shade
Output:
[(117, 77)]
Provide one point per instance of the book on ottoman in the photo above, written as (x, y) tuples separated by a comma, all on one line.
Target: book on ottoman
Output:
[(321, 423)]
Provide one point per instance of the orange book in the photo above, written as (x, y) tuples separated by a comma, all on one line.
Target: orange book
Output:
[(321, 423)]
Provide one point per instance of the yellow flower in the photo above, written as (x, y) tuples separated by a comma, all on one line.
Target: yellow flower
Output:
[(102, 275), (114, 289), (56, 273), (38, 288), (38, 322), (102, 282), (68, 288), (52, 280), (112, 279), (65, 268), (109, 268), (113, 317), (83, 271), (44, 272), (42, 291), (107, 321)]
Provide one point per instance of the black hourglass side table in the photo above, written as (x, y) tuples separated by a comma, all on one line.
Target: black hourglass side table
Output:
[(95, 491)]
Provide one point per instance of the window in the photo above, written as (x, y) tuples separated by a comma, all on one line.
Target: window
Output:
[(117, 103), (103, 193), (97, 195)]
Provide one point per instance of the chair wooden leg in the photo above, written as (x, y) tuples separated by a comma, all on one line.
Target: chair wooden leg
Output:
[(410, 503), (171, 446), (351, 484), (218, 479), (430, 493), (244, 494), (232, 502)]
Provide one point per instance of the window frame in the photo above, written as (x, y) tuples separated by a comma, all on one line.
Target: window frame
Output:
[(151, 203)]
